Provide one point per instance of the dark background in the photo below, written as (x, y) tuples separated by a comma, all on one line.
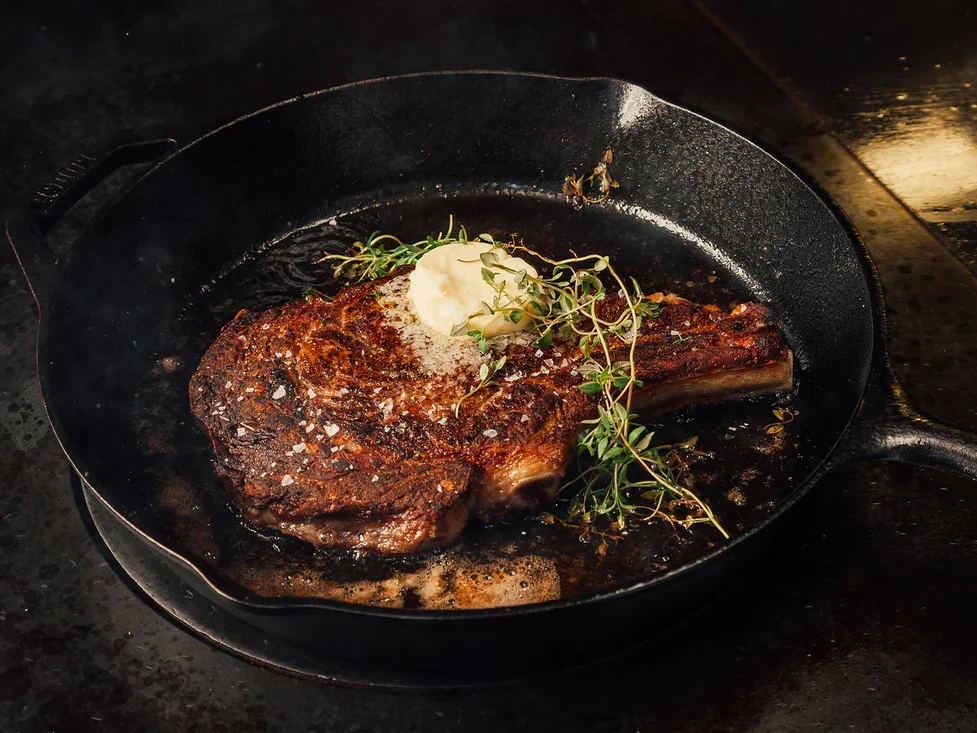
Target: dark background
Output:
[(862, 617)]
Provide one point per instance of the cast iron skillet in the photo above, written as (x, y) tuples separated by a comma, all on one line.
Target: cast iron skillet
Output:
[(111, 312)]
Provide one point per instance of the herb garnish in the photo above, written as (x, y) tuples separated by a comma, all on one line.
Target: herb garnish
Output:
[(381, 254), (784, 415), (485, 374), (613, 448), (619, 464), (576, 188)]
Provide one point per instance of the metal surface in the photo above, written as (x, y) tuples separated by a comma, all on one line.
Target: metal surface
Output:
[(703, 180)]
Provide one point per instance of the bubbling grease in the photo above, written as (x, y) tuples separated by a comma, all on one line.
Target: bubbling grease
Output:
[(445, 582), (436, 353)]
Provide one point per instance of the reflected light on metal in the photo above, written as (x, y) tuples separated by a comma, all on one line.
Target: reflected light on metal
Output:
[(636, 104)]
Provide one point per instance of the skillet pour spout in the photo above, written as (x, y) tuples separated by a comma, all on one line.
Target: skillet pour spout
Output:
[(494, 142)]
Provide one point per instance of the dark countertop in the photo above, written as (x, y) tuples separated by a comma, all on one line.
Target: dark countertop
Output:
[(861, 617)]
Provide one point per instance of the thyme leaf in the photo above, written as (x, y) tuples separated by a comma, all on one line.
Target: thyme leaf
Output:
[(485, 374), (784, 416)]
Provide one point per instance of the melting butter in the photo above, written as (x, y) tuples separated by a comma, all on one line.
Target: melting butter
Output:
[(447, 288)]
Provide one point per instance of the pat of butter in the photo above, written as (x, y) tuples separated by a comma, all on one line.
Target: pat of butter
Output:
[(446, 288)]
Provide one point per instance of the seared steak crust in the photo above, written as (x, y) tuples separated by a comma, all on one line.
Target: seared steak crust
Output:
[(334, 421)]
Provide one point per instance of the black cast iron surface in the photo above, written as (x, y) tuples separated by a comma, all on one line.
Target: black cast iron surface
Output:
[(860, 620)]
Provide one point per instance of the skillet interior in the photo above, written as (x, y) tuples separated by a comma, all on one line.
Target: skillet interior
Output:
[(149, 285)]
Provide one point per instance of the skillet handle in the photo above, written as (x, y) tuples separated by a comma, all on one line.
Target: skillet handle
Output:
[(28, 226), (888, 427)]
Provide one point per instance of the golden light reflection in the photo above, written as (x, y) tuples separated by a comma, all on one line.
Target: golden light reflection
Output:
[(932, 165)]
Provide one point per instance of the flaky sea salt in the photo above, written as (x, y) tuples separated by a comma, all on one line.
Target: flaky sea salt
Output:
[(435, 352)]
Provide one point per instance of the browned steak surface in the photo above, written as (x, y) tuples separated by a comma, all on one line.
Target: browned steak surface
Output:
[(335, 421)]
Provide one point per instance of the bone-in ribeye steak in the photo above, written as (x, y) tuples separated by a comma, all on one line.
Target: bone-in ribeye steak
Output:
[(334, 421)]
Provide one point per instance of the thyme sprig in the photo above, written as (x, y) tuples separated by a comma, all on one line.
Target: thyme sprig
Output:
[(485, 374), (576, 188), (381, 254), (784, 417), (619, 464), (674, 460)]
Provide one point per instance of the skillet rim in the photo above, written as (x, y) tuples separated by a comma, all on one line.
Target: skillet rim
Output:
[(878, 360)]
